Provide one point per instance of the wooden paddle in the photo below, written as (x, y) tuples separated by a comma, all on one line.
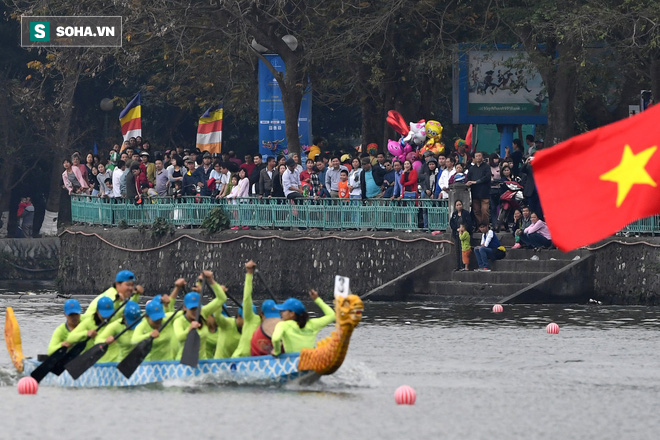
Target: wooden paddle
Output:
[(56, 361), (136, 357), (190, 354), (86, 360), (261, 278)]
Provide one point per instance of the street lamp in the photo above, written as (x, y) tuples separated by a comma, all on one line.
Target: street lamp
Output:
[(290, 40)]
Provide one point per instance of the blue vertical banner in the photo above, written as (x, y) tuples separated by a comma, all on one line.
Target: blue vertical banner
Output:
[(272, 136)]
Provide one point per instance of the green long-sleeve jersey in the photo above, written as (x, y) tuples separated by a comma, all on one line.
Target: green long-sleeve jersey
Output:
[(114, 296), (294, 338), (59, 335), (251, 321), (119, 349), (164, 346), (79, 333), (211, 344), (228, 336), (181, 326)]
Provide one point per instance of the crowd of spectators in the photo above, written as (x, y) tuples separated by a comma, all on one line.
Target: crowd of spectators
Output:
[(480, 190)]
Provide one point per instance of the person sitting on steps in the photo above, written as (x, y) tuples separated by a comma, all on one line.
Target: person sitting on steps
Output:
[(490, 248), (537, 235)]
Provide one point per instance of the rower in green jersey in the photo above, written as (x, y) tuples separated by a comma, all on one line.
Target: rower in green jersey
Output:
[(228, 334), (164, 346), (296, 331), (187, 322), (123, 289), (169, 300), (118, 349), (88, 324), (212, 338), (72, 312), (251, 319)]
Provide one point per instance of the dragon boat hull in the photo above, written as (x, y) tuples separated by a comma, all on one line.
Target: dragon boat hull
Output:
[(260, 369)]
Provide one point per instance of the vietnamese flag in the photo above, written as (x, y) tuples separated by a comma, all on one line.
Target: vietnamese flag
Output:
[(594, 184)]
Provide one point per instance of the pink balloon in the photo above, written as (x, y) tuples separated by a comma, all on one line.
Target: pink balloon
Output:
[(407, 149), (410, 156), (417, 165), (394, 147)]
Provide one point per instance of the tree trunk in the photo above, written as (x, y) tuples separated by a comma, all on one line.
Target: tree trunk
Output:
[(372, 122), (655, 76), (562, 93), (7, 168), (291, 100), (71, 75)]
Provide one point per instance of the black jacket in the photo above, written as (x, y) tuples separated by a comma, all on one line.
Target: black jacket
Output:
[(276, 185), (529, 184), (204, 177), (480, 175), (254, 177), (266, 184), (455, 220)]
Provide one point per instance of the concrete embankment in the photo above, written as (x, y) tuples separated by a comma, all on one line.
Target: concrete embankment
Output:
[(623, 270), (29, 258), (291, 261)]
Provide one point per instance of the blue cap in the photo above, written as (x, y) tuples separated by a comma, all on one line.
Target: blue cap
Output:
[(240, 310), (154, 309), (124, 275), (269, 310), (293, 305), (191, 300), (131, 313), (105, 307), (72, 306)]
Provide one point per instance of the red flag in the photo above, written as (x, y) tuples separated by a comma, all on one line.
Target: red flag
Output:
[(468, 140), (594, 184)]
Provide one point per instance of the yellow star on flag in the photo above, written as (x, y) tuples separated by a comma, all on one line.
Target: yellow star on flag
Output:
[(630, 171)]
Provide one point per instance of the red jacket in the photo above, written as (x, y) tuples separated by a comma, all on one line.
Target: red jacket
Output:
[(409, 181)]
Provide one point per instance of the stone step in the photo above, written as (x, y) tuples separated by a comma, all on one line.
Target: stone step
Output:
[(455, 299), (472, 289), (529, 265), (499, 277), (544, 254)]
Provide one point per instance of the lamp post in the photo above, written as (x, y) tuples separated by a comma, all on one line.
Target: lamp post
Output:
[(106, 106)]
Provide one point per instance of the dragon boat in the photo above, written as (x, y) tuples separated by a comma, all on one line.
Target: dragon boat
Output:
[(305, 367)]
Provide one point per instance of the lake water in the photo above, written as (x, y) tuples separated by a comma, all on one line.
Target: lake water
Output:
[(478, 375)]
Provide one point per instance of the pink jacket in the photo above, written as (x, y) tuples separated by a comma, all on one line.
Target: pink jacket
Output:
[(540, 228), (78, 175)]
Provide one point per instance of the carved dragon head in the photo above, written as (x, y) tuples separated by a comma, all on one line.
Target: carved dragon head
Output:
[(349, 310)]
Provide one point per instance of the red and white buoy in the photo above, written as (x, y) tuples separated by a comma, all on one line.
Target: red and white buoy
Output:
[(497, 308), (405, 395), (27, 385), (552, 328)]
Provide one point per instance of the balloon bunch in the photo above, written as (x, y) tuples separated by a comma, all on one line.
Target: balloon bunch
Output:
[(416, 139)]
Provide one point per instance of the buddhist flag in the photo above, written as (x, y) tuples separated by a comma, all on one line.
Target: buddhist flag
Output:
[(209, 131), (594, 184), (131, 119)]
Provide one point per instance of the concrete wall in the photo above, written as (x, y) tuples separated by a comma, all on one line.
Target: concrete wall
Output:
[(628, 273), (292, 261), (624, 273), (29, 258)]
